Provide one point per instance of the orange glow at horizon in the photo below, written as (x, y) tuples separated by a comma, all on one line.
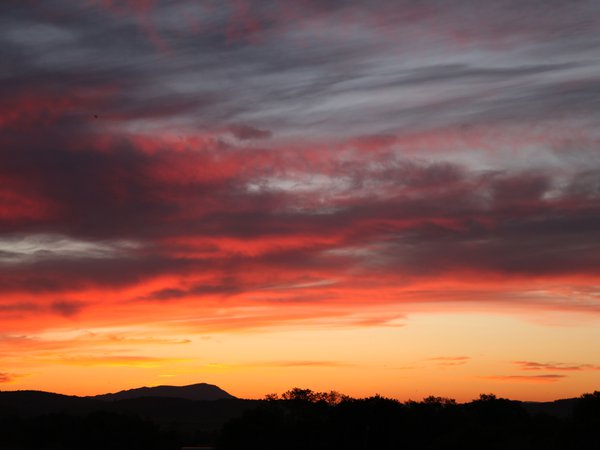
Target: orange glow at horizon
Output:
[(408, 358)]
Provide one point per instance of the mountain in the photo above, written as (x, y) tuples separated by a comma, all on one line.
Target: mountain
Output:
[(200, 391), (209, 408)]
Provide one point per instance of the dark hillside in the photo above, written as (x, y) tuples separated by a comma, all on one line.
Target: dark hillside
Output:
[(200, 391)]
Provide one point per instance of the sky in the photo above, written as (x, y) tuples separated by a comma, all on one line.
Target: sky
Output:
[(399, 198)]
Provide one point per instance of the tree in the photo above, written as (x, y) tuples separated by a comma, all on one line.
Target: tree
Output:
[(303, 395)]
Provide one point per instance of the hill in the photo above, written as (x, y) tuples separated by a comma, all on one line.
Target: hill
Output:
[(173, 412), (200, 391)]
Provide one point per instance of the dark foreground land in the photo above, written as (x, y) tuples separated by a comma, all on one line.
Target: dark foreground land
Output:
[(299, 419)]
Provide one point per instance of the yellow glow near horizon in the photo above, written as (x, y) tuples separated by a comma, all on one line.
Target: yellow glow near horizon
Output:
[(458, 355)]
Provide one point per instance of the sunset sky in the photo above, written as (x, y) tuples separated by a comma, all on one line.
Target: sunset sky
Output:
[(393, 197)]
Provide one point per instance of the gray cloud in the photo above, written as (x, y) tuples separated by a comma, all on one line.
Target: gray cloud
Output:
[(67, 308), (291, 78), (18, 307), (126, 128), (245, 132)]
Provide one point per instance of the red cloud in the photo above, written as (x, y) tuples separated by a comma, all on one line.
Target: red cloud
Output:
[(9, 377), (181, 216), (5, 377)]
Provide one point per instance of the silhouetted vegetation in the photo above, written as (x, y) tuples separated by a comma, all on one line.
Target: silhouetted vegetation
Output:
[(94, 431), (297, 419), (302, 419)]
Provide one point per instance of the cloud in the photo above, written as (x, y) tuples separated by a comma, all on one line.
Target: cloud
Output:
[(18, 307), (67, 308), (246, 132), (306, 364), (450, 361), (358, 171), (38, 307), (146, 362), (88, 347), (393, 321), (228, 287), (450, 358), (556, 367), (34, 247), (6, 377), (396, 218), (545, 378), (300, 90)]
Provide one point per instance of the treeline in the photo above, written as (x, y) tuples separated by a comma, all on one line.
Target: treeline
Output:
[(93, 431), (307, 420)]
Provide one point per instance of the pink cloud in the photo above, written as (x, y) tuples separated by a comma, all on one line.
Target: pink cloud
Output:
[(546, 378), (555, 366)]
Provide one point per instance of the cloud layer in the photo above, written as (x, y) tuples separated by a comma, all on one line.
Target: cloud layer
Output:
[(240, 165)]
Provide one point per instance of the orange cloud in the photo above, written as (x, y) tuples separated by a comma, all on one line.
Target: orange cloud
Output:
[(282, 364), (119, 361), (449, 361)]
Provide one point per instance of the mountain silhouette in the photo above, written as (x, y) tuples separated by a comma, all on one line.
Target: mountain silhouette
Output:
[(163, 405), (200, 391)]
